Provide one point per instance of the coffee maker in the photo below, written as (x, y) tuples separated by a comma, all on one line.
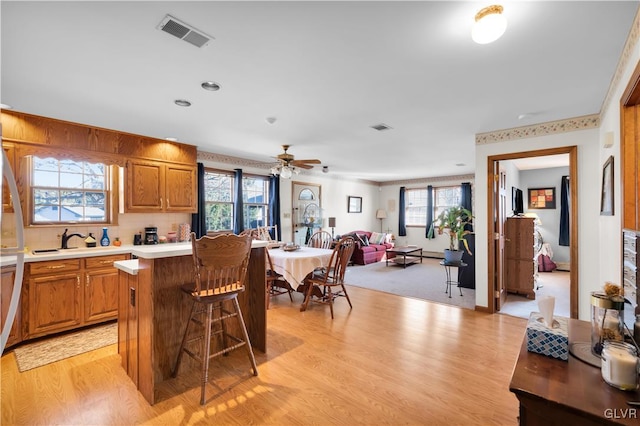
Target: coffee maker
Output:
[(151, 235)]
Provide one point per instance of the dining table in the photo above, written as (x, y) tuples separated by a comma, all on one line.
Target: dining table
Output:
[(296, 264)]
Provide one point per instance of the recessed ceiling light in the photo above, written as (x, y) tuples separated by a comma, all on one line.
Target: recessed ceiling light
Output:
[(380, 127), (525, 116), (270, 120), (210, 85), (171, 139), (182, 102), (460, 164), (5, 106)]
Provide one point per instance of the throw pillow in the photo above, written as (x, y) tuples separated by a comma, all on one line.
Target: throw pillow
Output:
[(363, 239), (376, 238)]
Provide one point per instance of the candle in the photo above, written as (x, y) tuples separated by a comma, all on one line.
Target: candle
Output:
[(620, 365)]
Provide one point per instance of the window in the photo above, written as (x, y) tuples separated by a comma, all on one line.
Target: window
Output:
[(444, 198), (416, 203), (68, 191), (219, 200)]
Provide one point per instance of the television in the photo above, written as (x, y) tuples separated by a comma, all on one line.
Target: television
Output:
[(517, 203)]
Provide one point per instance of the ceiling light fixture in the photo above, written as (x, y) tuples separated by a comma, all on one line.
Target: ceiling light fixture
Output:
[(490, 25), (5, 106), (284, 171), (182, 102), (210, 85)]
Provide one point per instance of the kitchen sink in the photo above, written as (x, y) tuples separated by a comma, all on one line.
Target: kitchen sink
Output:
[(45, 251)]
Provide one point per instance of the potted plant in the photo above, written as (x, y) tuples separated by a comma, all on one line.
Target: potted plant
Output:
[(453, 221)]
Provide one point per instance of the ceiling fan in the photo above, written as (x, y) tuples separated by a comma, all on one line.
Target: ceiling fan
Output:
[(288, 164)]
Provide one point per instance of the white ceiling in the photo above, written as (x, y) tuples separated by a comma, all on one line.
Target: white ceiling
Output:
[(326, 70)]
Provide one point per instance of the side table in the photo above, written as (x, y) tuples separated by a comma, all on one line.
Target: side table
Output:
[(447, 269)]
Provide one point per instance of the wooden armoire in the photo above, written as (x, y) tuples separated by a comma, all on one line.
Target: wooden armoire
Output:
[(519, 253)]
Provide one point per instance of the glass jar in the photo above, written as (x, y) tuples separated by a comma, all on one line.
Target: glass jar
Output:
[(620, 365), (607, 320)]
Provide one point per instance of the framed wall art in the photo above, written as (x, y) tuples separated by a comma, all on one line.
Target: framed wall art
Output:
[(606, 195), (542, 198), (354, 205)]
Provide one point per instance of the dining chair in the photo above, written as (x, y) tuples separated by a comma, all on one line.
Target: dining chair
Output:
[(321, 239), (330, 277), (265, 233), (220, 267), (276, 282)]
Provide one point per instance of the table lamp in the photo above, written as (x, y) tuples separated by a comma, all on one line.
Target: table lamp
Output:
[(381, 214), (332, 225)]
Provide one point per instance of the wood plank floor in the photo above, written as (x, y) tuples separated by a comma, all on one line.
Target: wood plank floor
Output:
[(390, 360)]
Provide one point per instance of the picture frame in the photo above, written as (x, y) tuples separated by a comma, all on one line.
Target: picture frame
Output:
[(354, 204), (606, 194), (542, 198)]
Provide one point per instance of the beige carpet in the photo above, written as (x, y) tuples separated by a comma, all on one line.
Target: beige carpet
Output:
[(424, 280), (46, 351)]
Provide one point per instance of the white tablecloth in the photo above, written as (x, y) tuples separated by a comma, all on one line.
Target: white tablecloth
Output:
[(295, 265)]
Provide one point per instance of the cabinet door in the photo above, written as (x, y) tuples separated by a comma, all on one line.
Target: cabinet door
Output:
[(8, 275), (100, 295), (7, 201), (144, 186), (181, 191), (54, 303)]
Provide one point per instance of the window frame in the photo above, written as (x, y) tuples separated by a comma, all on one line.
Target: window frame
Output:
[(436, 207)]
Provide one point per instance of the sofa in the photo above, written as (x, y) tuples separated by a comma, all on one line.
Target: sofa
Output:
[(368, 249)]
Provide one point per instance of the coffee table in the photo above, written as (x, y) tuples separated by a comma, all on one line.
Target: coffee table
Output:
[(404, 255)]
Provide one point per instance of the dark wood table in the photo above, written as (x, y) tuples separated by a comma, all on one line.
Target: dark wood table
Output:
[(553, 392), (404, 255)]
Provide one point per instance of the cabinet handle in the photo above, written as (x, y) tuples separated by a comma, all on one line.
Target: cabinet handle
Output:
[(87, 283), (161, 205), (104, 262), (168, 204), (78, 282), (56, 266)]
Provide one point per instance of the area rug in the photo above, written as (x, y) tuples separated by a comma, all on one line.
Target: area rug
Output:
[(424, 280), (42, 352)]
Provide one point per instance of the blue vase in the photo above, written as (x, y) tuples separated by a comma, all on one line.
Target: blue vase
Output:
[(104, 241)]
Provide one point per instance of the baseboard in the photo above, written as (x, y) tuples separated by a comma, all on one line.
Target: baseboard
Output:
[(563, 266), (432, 254)]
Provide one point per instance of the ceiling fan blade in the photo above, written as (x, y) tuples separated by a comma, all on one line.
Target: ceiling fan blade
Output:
[(314, 161), (302, 165)]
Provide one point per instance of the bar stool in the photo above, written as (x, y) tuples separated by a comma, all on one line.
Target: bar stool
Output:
[(220, 265)]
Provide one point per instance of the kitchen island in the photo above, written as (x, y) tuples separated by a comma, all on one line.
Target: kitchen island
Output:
[(153, 311)]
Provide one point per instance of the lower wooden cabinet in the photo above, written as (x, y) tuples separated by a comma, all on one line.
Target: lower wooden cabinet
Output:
[(60, 295), (8, 276)]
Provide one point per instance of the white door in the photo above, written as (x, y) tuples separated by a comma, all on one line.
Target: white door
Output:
[(307, 211)]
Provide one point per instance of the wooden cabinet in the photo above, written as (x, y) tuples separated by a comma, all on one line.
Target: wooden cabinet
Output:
[(8, 276), (519, 252), (154, 186), (64, 294), (7, 200)]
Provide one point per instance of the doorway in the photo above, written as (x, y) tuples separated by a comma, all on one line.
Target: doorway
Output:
[(496, 244), (307, 211)]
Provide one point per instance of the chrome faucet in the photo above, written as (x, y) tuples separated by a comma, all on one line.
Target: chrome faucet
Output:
[(65, 238)]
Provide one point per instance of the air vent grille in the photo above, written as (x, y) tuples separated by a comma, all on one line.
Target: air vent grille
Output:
[(184, 31)]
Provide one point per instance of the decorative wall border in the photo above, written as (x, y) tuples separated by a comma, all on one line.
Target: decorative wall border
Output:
[(234, 161), (461, 178), (551, 127)]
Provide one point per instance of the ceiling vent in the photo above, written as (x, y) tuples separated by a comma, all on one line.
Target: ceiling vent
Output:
[(380, 127), (184, 31)]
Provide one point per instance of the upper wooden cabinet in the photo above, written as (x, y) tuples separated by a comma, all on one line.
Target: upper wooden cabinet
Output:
[(153, 186), (7, 200)]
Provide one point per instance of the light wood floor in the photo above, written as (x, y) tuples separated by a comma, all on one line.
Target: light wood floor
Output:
[(391, 360)]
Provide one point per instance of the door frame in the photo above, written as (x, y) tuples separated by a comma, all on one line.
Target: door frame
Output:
[(492, 199)]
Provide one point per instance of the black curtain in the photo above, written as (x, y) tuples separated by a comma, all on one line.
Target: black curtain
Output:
[(199, 219), (565, 204), (238, 208), (429, 233), (465, 201), (274, 205), (402, 228)]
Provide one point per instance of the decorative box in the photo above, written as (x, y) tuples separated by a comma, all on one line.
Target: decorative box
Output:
[(553, 342)]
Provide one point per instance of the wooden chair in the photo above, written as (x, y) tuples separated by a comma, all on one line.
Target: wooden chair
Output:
[(276, 283), (321, 239), (330, 277), (264, 233), (220, 266)]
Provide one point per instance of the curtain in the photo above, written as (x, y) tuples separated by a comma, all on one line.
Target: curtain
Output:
[(565, 204), (199, 219), (274, 205), (429, 232), (238, 205), (402, 229), (465, 201)]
